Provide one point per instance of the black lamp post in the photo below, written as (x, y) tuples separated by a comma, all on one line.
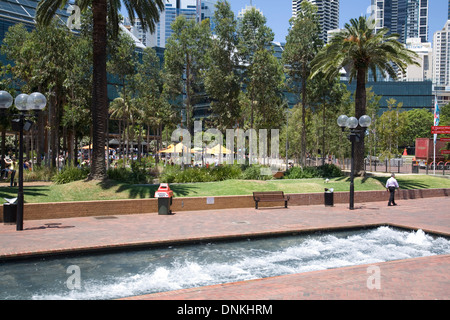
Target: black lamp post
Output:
[(356, 134), (24, 103)]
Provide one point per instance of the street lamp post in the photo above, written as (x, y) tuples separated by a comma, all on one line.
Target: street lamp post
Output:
[(24, 103), (356, 134)]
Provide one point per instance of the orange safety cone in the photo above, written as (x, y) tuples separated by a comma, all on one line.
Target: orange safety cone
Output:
[(405, 153)]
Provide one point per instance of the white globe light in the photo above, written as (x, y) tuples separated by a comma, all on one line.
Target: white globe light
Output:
[(365, 121), (342, 121), (352, 122), (36, 101), (6, 100), (21, 102)]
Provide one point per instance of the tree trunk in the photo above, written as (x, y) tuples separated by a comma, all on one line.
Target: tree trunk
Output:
[(99, 107), (188, 93), (304, 95), (360, 110), (3, 147)]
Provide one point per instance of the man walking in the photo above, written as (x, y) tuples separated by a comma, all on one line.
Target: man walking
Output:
[(391, 185)]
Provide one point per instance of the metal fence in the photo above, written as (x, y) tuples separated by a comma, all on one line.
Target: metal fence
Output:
[(400, 166)]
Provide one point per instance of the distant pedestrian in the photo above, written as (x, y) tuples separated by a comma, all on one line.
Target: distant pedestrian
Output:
[(391, 185)]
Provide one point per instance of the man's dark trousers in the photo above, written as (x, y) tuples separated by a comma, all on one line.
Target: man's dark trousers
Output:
[(391, 196)]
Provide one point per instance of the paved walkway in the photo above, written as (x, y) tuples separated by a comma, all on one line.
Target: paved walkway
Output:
[(421, 278)]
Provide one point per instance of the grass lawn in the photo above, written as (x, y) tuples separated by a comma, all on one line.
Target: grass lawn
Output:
[(87, 191)]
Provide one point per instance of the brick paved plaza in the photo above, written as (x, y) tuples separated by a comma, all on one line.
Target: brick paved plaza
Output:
[(419, 278)]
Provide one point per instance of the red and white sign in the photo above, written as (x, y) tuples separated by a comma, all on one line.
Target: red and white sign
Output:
[(445, 151), (444, 139), (440, 130), (164, 191)]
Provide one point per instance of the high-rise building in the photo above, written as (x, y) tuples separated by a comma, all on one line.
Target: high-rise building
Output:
[(408, 18), (423, 71), (244, 10), (328, 11), (192, 9), (448, 10), (441, 56)]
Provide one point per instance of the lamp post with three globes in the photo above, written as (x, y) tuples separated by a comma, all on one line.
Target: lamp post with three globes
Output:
[(25, 104)]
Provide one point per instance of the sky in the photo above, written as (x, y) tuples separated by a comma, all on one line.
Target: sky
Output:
[(278, 13)]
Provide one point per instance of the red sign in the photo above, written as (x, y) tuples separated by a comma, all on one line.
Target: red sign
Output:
[(445, 139), (445, 151), (440, 130)]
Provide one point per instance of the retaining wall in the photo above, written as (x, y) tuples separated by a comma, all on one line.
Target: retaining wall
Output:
[(56, 210)]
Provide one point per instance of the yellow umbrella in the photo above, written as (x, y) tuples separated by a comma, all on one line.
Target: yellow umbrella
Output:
[(218, 149), (175, 148), (169, 149), (180, 147), (92, 147)]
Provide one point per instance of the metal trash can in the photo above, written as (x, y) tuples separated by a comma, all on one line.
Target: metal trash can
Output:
[(9, 213), (415, 167), (164, 195), (329, 197)]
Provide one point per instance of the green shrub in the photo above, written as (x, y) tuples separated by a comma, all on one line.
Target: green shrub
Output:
[(135, 175), (302, 173), (330, 171), (39, 173), (253, 172), (119, 174), (174, 174), (70, 174), (325, 171), (169, 174), (226, 172)]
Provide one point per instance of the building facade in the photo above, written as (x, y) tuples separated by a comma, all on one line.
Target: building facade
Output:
[(441, 68), (192, 9), (441, 64), (22, 11), (408, 18), (328, 11), (423, 71)]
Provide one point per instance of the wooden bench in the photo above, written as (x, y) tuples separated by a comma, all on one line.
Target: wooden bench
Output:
[(270, 196)]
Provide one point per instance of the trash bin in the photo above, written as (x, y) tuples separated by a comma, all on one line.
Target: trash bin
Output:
[(415, 167), (329, 199), (164, 195), (9, 213)]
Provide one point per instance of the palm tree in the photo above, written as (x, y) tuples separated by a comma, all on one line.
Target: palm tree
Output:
[(358, 48), (102, 10)]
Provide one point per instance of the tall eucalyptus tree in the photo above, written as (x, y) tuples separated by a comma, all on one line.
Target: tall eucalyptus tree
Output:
[(105, 14)]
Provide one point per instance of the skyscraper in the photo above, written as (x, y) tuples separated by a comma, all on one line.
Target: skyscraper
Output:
[(441, 56), (192, 9), (328, 11), (408, 18)]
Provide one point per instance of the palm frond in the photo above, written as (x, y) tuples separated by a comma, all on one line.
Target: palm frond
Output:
[(46, 10), (359, 47)]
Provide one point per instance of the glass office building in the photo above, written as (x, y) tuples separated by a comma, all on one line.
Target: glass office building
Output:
[(192, 9), (21, 11), (413, 94), (328, 12), (408, 18)]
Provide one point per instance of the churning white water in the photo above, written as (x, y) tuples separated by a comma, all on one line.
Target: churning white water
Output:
[(140, 272)]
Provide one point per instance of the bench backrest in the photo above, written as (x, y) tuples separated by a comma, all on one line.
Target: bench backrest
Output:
[(268, 194)]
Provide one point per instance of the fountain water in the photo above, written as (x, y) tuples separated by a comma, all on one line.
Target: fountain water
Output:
[(114, 275)]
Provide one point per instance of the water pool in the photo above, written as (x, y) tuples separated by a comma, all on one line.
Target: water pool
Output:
[(115, 275)]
